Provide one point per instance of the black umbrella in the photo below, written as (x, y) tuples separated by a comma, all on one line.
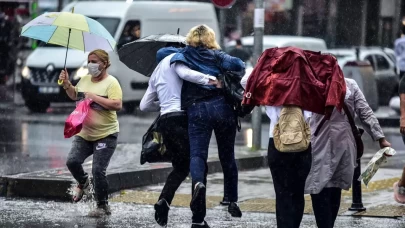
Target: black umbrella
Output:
[(140, 55)]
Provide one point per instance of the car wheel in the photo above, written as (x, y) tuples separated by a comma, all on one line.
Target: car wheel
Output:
[(37, 106)]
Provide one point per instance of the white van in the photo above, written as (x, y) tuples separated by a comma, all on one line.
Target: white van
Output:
[(39, 76)]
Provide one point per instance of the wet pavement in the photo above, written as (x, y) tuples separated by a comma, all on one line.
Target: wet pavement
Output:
[(32, 142), (256, 194), (23, 213)]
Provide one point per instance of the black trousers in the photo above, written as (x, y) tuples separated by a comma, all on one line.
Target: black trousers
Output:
[(174, 129), (326, 206), (289, 172)]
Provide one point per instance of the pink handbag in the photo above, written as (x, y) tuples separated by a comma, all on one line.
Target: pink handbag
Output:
[(74, 122)]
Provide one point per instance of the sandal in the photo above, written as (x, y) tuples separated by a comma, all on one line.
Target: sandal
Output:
[(399, 193), (79, 191)]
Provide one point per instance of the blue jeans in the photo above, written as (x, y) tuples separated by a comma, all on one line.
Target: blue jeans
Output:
[(203, 118)]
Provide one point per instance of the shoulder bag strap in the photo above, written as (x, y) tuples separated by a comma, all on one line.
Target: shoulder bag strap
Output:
[(320, 126), (350, 117)]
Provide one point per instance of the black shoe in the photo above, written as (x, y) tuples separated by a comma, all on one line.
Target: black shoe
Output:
[(198, 200), (161, 212), (205, 225), (225, 201), (234, 210)]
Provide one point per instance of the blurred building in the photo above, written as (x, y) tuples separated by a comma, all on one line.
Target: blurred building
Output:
[(339, 22)]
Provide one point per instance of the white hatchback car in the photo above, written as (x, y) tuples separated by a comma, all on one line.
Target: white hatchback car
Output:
[(395, 104), (381, 59)]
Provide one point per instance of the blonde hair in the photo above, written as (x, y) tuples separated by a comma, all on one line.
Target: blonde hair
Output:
[(202, 35), (103, 56)]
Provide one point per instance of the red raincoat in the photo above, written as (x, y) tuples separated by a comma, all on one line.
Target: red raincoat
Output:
[(291, 76)]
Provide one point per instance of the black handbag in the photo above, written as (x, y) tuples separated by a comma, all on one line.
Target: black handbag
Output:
[(233, 90), (153, 147)]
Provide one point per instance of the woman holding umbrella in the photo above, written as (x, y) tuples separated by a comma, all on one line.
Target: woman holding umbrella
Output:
[(100, 128), (98, 136)]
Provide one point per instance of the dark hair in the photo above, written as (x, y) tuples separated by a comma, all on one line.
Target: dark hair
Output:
[(403, 29), (175, 45), (238, 42)]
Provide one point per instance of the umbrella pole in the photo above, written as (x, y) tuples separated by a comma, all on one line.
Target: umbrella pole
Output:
[(60, 82)]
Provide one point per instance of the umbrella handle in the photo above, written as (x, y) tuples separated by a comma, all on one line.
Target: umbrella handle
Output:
[(60, 82)]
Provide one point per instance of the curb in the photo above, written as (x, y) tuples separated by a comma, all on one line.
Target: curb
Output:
[(56, 188)]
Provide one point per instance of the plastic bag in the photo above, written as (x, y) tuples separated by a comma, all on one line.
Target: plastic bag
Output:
[(153, 148), (378, 159), (74, 122)]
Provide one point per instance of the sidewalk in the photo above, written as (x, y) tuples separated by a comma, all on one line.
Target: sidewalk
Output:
[(256, 194), (124, 172)]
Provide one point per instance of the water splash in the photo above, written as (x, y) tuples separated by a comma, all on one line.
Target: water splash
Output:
[(88, 195)]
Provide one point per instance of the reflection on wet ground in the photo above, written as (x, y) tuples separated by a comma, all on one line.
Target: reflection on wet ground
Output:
[(38, 214), (251, 184), (31, 142)]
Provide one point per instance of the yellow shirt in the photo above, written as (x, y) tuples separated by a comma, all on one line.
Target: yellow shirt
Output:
[(100, 123)]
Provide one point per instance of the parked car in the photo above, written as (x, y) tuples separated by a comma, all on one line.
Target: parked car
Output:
[(307, 43), (383, 65), (269, 41), (391, 54), (40, 75), (395, 104)]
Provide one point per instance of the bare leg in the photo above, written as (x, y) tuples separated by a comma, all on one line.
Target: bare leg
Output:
[(401, 182)]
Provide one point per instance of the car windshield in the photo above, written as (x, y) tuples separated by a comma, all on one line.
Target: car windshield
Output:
[(111, 24), (391, 56)]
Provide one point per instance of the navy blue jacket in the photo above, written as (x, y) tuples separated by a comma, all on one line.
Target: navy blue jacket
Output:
[(206, 61)]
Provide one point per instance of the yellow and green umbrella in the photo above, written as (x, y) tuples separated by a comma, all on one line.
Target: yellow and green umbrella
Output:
[(70, 30)]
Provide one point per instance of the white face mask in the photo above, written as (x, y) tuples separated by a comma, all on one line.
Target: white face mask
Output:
[(93, 69)]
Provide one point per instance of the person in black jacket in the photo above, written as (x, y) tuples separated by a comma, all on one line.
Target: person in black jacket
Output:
[(239, 52)]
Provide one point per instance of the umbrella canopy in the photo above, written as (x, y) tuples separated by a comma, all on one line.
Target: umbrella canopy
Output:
[(140, 55), (70, 30)]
